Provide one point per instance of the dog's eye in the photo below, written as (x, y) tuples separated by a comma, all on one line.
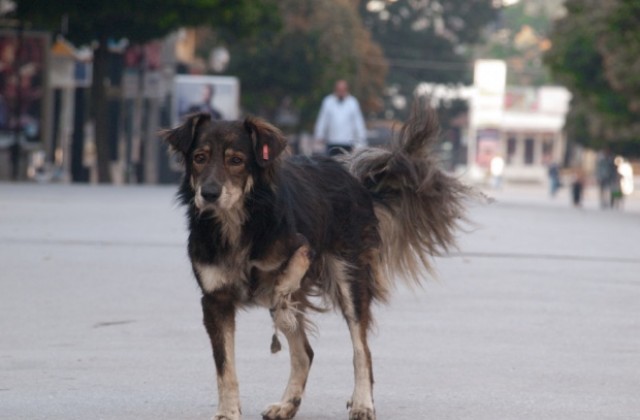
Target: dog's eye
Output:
[(235, 160), (200, 158)]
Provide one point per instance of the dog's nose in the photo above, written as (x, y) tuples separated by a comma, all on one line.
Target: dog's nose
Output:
[(210, 193)]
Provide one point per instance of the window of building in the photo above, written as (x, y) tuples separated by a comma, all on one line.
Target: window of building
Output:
[(529, 151), (547, 149), (511, 149)]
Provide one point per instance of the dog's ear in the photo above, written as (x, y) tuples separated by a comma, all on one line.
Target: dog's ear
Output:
[(268, 141), (181, 138)]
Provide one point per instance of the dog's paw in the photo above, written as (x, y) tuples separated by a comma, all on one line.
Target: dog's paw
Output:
[(227, 415), (362, 414), (358, 412), (281, 410)]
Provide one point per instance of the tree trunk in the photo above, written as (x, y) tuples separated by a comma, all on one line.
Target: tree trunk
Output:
[(100, 109)]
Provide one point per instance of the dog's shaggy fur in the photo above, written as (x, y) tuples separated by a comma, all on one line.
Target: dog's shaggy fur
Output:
[(275, 232)]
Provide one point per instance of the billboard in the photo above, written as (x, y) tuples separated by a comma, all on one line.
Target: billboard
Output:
[(217, 95), (487, 143), (489, 81)]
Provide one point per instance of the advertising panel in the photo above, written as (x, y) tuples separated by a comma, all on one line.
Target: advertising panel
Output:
[(217, 95)]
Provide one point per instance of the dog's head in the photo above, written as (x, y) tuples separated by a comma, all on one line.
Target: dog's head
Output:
[(223, 159)]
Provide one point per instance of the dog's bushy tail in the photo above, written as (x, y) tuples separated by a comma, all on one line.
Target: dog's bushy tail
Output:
[(418, 205)]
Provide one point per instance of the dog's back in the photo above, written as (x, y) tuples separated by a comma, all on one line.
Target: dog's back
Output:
[(325, 203), (318, 198)]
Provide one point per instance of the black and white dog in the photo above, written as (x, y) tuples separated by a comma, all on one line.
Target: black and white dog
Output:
[(274, 231)]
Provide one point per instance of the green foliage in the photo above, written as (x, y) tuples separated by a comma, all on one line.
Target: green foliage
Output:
[(620, 48), (515, 17), (520, 39), (320, 42), (427, 41), (591, 55), (140, 20)]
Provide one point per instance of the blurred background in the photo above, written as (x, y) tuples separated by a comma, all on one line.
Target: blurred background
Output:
[(529, 92)]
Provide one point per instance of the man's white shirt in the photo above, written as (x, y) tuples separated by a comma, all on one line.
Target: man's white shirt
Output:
[(341, 122)]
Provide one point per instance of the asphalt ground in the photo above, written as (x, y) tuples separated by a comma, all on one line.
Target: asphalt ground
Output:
[(537, 316)]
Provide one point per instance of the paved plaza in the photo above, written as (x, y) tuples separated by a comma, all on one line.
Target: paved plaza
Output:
[(537, 316)]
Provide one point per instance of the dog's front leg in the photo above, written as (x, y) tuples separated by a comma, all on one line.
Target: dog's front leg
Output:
[(219, 319), (289, 319), (283, 309), (301, 358)]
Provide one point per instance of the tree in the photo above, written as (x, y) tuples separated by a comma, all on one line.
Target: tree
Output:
[(591, 49), (139, 21), (319, 42), (619, 44), (520, 38), (425, 41)]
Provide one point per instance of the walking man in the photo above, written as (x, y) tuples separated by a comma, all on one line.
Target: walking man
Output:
[(340, 124), (605, 174)]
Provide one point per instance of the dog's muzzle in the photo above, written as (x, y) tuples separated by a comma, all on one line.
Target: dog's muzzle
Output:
[(210, 193)]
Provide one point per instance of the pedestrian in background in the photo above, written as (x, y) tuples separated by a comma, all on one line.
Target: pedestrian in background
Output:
[(340, 124), (496, 167), (554, 178), (605, 175), (577, 187), (616, 185)]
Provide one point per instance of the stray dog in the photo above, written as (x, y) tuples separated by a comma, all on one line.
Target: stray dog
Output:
[(274, 231)]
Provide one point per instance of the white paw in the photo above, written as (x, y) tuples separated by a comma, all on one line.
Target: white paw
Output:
[(360, 412), (227, 415), (282, 410)]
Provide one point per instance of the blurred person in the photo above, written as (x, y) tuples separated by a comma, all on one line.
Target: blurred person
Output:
[(340, 124), (605, 174), (627, 180), (206, 104), (616, 185), (554, 178), (496, 169), (577, 187), (4, 112)]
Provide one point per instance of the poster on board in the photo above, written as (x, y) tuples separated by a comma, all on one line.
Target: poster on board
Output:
[(216, 95), (487, 142)]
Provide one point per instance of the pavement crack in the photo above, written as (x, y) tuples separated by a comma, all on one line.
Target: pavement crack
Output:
[(88, 242), (536, 256), (113, 323)]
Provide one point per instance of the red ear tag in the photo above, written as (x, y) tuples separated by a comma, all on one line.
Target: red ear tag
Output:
[(265, 152)]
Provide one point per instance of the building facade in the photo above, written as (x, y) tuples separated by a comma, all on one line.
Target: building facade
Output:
[(522, 125)]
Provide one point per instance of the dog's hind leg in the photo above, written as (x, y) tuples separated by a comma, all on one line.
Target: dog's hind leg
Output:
[(355, 301), (219, 319), (301, 358)]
